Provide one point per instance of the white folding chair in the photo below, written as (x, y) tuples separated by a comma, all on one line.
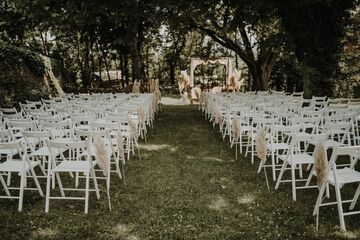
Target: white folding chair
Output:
[(70, 162), (105, 137), (339, 177), (278, 143), (22, 166), (296, 157)]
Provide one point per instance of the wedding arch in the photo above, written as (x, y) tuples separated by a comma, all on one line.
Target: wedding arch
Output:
[(198, 61)]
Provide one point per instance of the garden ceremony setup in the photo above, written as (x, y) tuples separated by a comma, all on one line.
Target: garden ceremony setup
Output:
[(180, 119)]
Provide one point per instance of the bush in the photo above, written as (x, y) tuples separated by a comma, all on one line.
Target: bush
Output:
[(21, 75)]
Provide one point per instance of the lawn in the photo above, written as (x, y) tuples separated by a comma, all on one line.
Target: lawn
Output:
[(187, 185)]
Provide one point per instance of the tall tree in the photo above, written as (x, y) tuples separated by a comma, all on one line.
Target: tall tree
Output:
[(315, 31)]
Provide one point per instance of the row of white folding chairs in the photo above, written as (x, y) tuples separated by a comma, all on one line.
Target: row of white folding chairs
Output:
[(44, 152)]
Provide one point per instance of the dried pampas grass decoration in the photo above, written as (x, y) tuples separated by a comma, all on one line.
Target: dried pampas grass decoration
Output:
[(320, 167), (101, 156), (103, 161), (120, 144), (141, 113), (218, 117), (261, 150), (320, 163), (152, 85), (184, 81), (136, 87), (235, 128), (133, 126)]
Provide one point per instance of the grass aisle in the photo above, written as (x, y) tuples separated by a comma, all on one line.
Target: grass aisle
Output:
[(187, 186)]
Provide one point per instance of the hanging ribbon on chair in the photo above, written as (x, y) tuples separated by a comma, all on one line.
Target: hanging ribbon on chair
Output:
[(104, 163), (261, 150)]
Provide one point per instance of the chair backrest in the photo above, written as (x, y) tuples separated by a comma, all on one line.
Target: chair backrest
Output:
[(5, 135), (308, 123), (12, 116), (38, 104), (90, 135), (64, 126), (299, 141), (333, 130), (279, 132), (41, 136), (353, 152), (16, 126), (14, 147), (8, 110)]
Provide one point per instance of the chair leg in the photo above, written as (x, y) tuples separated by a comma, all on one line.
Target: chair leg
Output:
[(319, 199), (60, 184), (95, 183), (87, 193), (36, 182), (8, 178), (21, 190), (48, 189), (273, 165), (252, 152), (3, 183), (310, 176), (340, 208), (280, 175), (355, 198), (293, 183)]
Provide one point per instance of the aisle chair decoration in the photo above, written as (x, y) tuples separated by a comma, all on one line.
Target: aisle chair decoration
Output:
[(121, 151), (235, 129), (320, 166), (339, 177), (261, 149), (103, 161), (134, 134)]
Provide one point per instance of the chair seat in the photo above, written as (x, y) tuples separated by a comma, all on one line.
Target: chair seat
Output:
[(344, 176), (278, 146), (72, 166), (330, 143), (16, 165), (9, 152), (59, 133), (92, 151), (44, 151), (302, 158)]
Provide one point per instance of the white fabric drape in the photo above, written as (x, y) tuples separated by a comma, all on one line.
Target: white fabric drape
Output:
[(196, 61)]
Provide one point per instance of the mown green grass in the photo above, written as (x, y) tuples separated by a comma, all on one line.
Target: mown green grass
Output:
[(186, 186)]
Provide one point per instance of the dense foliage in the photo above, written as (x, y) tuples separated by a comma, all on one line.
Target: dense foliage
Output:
[(287, 45)]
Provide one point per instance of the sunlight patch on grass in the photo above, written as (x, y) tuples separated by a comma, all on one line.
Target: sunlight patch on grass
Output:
[(348, 235), (123, 230), (132, 237), (189, 157), (213, 159), (154, 147), (217, 203), (246, 199), (45, 232)]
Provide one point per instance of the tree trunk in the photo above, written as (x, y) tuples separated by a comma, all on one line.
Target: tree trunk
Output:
[(126, 69), (306, 71), (172, 73)]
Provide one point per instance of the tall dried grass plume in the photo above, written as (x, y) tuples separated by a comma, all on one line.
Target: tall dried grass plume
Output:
[(136, 87), (184, 81), (321, 163)]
